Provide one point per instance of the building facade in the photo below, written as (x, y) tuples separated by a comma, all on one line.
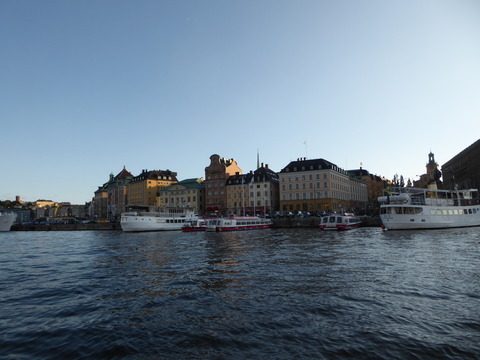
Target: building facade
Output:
[(264, 197), (216, 175), (375, 188), (117, 194), (463, 170), (189, 193), (100, 202), (319, 185), (143, 188)]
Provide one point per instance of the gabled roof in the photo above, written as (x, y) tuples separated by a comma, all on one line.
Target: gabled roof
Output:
[(307, 165), (123, 174)]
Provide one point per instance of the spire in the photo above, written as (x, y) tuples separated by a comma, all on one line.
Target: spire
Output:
[(258, 160)]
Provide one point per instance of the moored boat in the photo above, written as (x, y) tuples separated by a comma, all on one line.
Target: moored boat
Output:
[(234, 223), (339, 222), (156, 219), (429, 208), (6, 220), (196, 224)]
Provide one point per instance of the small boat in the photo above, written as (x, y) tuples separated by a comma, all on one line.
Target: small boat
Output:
[(429, 208), (339, 222), (234, 223), (192, 225), (156, 219), (6, 220)]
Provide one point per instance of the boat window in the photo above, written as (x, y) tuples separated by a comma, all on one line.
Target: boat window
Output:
[(339, 220), (465, 212), (450, 212), (433, 212), (445, 212), (439, 212), (469, 211), (474, 211), (332, 219)]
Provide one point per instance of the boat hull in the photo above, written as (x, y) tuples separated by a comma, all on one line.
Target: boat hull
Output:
[(238, 223), (427, 218), (139, 223), (6, 221)]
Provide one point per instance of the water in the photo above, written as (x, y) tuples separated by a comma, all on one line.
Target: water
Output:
[(274, 294)]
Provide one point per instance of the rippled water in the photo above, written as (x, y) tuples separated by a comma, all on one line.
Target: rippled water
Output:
[(273, 294)]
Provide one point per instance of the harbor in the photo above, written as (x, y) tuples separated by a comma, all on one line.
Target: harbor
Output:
[(290, 222), (297, 293)]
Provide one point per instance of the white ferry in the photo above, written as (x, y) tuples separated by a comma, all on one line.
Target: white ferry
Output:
[(339, 222), (156, 219), (234, 223), (415, 208), (6, 220)]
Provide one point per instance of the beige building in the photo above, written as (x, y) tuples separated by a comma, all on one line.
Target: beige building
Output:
[(375, 188), (319, 185), (143, 189), (253, 193), (189, 193)]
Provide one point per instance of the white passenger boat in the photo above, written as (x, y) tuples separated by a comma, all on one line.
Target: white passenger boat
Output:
[(339, 222), (415, 208), (6, 220), (156, 219), (234, 223)]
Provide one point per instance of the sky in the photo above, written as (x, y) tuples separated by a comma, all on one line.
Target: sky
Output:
[(88, 87)]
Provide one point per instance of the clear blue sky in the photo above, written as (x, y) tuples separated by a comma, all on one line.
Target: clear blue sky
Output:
[(89, 86)]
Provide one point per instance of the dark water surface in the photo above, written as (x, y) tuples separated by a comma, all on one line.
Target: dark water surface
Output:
[(274, 294)]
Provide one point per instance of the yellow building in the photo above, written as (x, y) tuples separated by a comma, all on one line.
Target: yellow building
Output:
[(44, 203), (143, 189)]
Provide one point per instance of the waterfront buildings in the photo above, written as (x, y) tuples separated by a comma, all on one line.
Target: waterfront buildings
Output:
[(463, 170), (319, 185), (189, 193), (216, 175), (100, 202), (253, 193), (117, 194), (143, 188), (375, 187)]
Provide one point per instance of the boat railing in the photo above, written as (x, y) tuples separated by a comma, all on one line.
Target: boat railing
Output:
[(432, 197)]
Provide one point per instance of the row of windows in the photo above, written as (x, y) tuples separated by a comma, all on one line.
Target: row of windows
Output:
[(240, 204), (306, 196), (304, 186), (258, 193), (177, 200), (304, 177), (215, 184), (409, 210), (215, 193), (453, 211)]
